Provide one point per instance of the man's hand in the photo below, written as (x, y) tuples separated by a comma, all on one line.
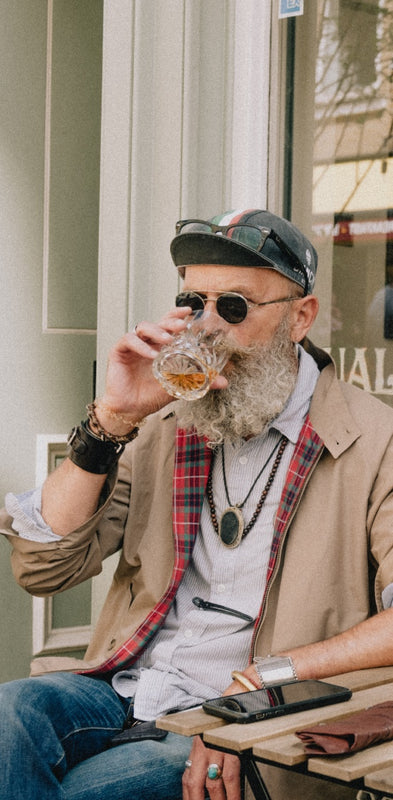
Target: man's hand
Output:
[(195, 780), (131, 389)]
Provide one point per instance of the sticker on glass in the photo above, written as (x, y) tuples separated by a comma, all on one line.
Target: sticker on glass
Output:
[(290, 8)]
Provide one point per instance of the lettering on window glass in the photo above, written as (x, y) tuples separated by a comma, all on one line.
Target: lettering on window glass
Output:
[(364, 367), (358, 331)]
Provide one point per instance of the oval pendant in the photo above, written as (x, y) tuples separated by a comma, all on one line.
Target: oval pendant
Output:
[(231, 527)]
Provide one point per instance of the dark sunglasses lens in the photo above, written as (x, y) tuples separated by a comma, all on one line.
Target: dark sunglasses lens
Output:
[(232, 308), (195, 226), (195, 301)]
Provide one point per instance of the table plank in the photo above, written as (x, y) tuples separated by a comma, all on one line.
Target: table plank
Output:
[(189, 722), (363, 678), (355, 765), (286, 750), (381, 780), (241, 737)]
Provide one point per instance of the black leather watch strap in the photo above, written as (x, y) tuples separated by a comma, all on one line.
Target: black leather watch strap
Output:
[(90, 453)]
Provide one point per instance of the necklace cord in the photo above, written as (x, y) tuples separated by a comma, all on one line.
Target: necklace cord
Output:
[(209, 491), (240, 505)]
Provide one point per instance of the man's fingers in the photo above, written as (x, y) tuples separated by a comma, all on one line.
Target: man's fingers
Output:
[(147, 338), (217, 772), (171, 323), (231, 777)]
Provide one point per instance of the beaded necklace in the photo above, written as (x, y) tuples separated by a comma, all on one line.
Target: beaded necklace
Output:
[(230, 527)]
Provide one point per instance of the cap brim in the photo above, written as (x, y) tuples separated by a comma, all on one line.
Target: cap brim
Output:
[(207, 248)]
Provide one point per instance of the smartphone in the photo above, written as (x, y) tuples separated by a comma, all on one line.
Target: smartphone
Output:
[(276, 701)]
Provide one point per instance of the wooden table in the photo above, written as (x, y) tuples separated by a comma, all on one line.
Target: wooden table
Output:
[(274, 742)]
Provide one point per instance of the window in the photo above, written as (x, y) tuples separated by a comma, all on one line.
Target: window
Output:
[(343, 173)]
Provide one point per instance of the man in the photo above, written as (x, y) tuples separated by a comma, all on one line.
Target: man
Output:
[(301, 467)]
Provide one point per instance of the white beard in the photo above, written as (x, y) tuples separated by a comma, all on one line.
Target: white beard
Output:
[(261, 379)]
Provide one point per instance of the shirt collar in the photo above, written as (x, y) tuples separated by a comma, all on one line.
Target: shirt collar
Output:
[(289, 422)]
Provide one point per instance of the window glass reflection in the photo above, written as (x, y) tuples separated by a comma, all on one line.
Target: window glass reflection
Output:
[(352, 192)]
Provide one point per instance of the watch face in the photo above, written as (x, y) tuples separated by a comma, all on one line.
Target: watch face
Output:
[(278, 675), (275, 670)]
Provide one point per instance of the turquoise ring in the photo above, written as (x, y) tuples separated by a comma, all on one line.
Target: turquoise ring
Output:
[(214, 772)]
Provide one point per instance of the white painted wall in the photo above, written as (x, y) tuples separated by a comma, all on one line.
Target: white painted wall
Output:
[(47, 375)]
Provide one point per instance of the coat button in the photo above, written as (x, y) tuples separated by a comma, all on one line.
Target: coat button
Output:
[(112, 644)]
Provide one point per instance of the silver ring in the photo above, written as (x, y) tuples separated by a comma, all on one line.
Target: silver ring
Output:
[(214, 772), (188, 763)]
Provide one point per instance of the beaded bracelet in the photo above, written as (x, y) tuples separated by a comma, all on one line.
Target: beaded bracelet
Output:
[(104, 435), (116, 415)]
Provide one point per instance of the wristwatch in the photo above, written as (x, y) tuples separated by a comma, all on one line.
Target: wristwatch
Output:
[(273, 670)]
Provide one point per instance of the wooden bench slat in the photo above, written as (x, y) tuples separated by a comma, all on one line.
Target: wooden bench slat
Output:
[(355, 765), (189, 722), (286, 750), (381, 780), (364, 678)]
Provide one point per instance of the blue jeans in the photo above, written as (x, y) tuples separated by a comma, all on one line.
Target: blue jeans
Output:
[(54, 737)]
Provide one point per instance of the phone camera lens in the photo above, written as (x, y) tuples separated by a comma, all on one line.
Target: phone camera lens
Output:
[(233, 705)]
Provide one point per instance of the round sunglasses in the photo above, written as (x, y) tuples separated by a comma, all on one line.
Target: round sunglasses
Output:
[(231, 306)]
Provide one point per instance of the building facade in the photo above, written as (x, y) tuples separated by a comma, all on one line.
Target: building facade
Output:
[(120, 117)]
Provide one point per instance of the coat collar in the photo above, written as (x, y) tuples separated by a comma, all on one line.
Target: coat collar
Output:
[(329, 412)]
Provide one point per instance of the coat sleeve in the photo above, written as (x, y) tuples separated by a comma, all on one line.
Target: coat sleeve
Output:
[(45, 569), (380, 525)]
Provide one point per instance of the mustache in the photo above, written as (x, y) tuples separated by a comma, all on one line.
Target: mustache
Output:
[(238, 354)]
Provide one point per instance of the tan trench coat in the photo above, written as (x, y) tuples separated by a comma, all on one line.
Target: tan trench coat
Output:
[(338, 545)]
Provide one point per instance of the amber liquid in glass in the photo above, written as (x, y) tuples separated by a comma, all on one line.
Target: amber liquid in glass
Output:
[(187, 382)]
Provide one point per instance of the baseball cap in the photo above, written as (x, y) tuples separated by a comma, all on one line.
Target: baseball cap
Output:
[(247, 238)]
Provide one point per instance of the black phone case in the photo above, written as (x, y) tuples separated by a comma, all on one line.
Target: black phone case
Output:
[(274, 702)]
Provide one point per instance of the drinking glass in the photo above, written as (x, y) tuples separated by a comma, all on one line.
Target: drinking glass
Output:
[(189, 364)]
